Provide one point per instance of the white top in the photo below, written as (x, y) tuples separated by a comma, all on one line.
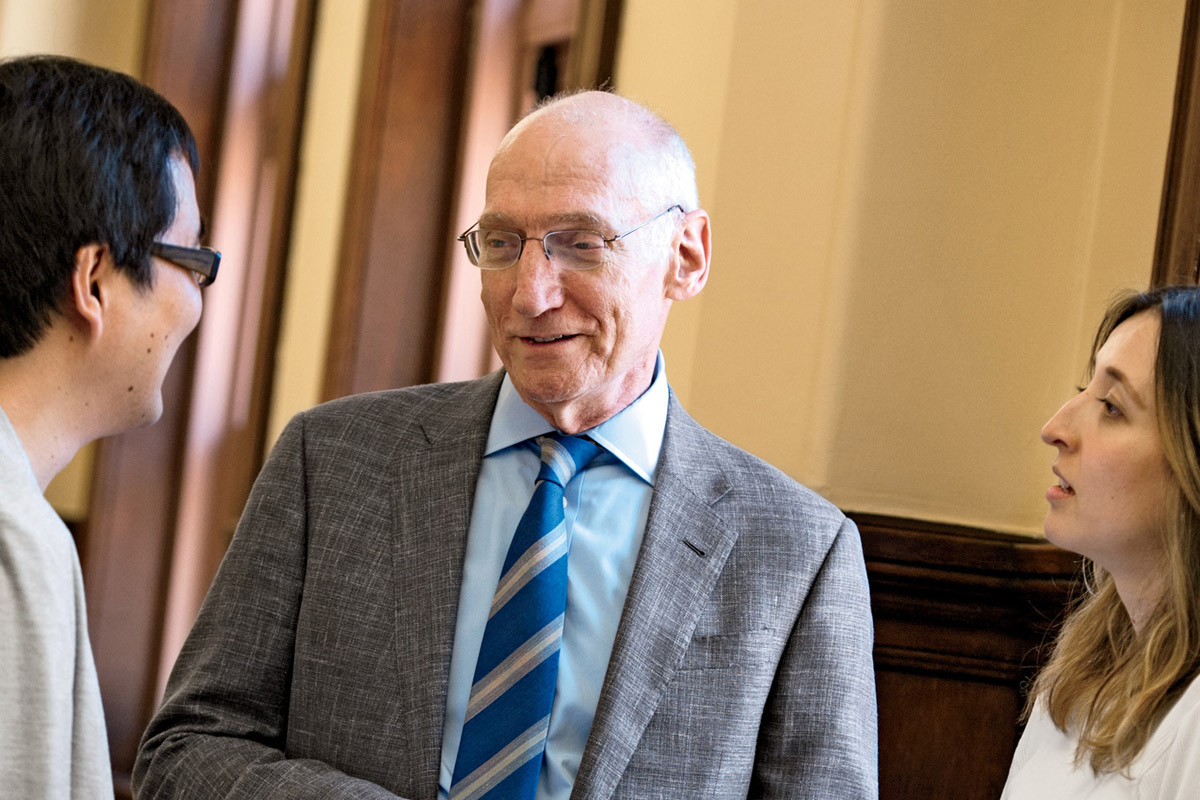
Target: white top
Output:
[(1167, 769), (53, 743)]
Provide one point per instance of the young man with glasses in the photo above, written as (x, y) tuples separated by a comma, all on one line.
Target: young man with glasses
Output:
[(100, 276), (549, 582)]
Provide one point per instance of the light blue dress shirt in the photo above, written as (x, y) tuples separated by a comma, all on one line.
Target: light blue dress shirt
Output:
[(607, 506)]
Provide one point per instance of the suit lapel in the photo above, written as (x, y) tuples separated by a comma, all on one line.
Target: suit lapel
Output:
[(667, 594), (433, 477)]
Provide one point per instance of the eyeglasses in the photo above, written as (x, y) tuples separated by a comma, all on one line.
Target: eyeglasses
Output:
[(488, 249), (201, 260)]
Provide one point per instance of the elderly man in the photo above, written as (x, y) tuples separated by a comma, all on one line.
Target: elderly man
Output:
[(100, 279), (672, 618)]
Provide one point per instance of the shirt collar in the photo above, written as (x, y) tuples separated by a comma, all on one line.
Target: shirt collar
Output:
[(634, 435), (13, 452)]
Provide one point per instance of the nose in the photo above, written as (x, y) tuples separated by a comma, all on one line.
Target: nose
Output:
[(539, 282), (1058, 430)]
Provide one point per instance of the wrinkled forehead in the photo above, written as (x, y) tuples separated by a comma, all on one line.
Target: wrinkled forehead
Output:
[(568, 163)]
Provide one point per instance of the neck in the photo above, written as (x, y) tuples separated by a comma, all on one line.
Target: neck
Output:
[(570, 419), (583, 413), (1140, 599), (51, 420)]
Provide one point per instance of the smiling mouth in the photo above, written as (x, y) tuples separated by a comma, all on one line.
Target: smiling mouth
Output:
[(548, 339), (1066, 487)]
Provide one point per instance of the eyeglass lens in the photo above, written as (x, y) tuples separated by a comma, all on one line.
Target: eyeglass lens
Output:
[(567, 249)]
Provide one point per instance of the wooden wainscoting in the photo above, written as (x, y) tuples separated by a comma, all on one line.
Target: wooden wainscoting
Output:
[(962, 620)]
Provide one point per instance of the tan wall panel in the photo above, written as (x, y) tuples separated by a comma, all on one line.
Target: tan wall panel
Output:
[(920, 208)]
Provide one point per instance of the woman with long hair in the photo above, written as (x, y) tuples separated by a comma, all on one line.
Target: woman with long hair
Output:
[(1116, 711)]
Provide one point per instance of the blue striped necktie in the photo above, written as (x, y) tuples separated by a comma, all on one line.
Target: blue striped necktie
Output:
[(508, 712)]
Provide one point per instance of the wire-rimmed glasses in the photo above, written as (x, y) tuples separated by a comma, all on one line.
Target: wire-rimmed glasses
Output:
[(574, 250)]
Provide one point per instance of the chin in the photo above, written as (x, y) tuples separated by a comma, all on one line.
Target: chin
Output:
[(544, 388), (1060, 537), (150, 412)]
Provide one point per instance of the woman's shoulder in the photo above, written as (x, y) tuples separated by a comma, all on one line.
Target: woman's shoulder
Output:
[(1044, 759), (1040, 732), (1171, 762)]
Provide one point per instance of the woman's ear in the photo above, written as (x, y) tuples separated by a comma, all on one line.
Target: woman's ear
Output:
[(94, 268), (691, 256)]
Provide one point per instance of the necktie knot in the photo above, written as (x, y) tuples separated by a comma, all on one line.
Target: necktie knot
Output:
[(563, 456)]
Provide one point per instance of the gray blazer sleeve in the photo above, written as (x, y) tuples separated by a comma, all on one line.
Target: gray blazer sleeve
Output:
[(818, 737), (221, 731)]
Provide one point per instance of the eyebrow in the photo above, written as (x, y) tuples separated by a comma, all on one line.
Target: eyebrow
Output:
[(1121, 378), (577, 220)]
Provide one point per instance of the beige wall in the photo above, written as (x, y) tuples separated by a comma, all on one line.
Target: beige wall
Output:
[(920, 208), (104, 32), (320, 207)]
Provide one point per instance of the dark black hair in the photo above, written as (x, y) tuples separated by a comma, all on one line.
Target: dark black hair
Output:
[(84, 158)]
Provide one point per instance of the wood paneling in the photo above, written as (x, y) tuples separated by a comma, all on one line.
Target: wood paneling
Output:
[(961, 619), (141, 479), (135, 487), (593, 54), (1177, 251), (401, 189), (234, 368)]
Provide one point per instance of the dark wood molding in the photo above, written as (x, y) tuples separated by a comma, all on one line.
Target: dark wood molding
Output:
[(138, 482), (1177, 249), (187, 58), (592, 58), (261, 143), (962, 618), (126, 549), (392, 261)]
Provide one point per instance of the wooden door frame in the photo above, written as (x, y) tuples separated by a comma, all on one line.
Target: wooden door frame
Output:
[(1177, 249), (129, 531), (139, 478), (395, 263)]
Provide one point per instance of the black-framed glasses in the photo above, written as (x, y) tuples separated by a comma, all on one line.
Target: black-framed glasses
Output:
[(201, 260), (488, 249)]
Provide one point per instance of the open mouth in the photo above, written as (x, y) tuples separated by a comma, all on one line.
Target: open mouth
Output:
[(1066, 487)]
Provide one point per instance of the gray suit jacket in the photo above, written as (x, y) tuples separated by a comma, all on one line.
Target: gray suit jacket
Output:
[(318, 665)]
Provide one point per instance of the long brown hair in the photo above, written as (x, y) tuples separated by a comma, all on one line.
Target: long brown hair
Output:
[(1109, 684)]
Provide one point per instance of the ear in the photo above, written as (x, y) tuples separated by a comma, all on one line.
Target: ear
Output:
[(94, 269), (690, 259)]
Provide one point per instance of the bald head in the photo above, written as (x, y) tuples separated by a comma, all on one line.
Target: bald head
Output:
[(640, 151), (589, 173)]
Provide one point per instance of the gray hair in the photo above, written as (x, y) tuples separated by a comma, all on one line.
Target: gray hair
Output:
[(662, 171)]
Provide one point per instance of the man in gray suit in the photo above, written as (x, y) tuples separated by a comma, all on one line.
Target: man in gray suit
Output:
[(716, 639)]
